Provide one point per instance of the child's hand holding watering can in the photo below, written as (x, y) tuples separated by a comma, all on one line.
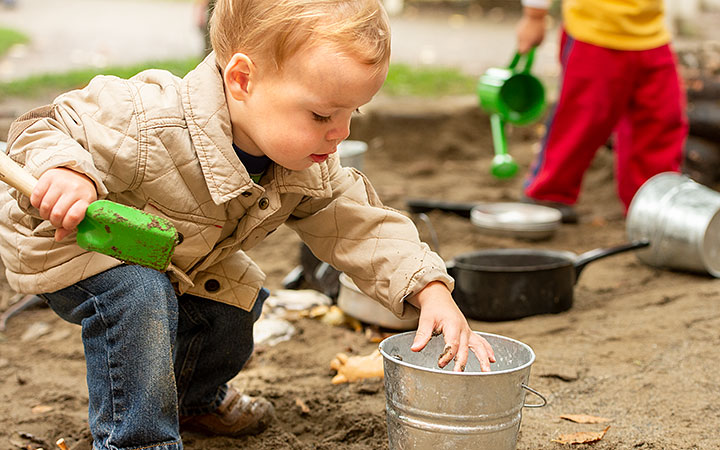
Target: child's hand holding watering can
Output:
[(531, 29)]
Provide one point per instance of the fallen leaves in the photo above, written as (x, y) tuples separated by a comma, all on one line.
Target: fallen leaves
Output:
[(581, 437), (354, 368), (584, 418), (41, 409), (304, 408), (334, 316)]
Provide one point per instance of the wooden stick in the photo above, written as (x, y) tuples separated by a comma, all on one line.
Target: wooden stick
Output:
[(14, 175)]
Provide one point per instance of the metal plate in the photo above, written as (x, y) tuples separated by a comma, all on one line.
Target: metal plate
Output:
[(520, 220)]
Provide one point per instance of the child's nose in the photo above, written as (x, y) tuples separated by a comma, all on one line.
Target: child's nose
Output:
[(339, 132)]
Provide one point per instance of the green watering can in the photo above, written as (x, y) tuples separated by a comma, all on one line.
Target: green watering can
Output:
[(510, 95)]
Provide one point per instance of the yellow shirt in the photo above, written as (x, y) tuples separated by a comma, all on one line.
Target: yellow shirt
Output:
[(617, 24)]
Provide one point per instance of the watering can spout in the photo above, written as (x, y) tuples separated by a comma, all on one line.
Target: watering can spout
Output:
[(503, 165), (511, 95)]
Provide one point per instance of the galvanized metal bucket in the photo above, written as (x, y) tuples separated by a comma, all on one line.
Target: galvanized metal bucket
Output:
[(432, 408), (681, 219), (352, 153)]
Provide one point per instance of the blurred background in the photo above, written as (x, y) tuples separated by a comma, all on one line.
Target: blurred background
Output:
[(439, 50), (469, 35)]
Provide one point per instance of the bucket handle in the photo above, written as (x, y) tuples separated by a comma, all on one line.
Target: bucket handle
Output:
[(529, 56), (534, 405)]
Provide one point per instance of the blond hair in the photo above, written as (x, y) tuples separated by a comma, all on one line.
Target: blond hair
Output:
[(273, 30)]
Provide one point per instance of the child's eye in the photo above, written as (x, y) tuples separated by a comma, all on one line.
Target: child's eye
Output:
[(319, 118)]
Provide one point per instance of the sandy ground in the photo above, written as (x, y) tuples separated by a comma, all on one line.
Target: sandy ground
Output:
[(639, 346)]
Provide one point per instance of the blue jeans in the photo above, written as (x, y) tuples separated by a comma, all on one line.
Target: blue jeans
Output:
[(151, 354)]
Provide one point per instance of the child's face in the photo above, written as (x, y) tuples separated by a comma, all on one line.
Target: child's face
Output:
[(298, 116)]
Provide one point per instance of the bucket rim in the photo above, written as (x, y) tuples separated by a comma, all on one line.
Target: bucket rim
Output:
[(680, 179), (388, 357), (352, 147)]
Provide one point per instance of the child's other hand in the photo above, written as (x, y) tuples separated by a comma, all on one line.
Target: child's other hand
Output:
[(62, 196), (440, 314)]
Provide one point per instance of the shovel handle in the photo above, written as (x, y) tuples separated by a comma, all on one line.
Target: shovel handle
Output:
[(11, 173)]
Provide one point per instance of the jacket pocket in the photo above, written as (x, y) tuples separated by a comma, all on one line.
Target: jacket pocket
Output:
[(235, 280)]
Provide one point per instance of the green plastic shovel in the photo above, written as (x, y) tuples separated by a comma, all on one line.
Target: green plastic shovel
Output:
[(117, 230), (510, 95)]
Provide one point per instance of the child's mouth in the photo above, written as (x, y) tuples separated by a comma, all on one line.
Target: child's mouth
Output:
[(318, 158)]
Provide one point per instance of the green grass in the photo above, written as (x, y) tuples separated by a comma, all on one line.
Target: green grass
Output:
[(402, 80), (39, 84), (427, 82), (8, 38)]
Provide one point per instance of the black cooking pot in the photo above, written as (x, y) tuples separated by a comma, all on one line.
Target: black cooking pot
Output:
[(507, 284)]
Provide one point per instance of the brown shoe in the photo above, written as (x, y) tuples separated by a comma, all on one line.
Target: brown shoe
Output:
[(237, 415)]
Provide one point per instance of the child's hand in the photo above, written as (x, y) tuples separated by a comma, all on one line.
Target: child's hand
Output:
[(531, 29), (62, 196), (440, 314)]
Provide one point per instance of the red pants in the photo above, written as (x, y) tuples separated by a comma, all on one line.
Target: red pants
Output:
[(637, 94)]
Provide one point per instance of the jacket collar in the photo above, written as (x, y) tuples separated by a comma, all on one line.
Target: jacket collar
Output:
[(208, 121)]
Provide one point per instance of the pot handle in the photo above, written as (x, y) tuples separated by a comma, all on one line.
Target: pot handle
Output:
[(431, 229), (534, 405), (585, 258), (418, 205)]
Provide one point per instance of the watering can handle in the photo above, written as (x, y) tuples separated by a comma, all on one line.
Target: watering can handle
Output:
[(534, 405), (529, 56)]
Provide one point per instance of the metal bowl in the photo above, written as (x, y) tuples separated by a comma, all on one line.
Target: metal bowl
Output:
[(352, 153), (358, 305), (518, 220)]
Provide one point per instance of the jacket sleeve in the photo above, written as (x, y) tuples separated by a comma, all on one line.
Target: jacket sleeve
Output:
[(93, 131), (378, 247)]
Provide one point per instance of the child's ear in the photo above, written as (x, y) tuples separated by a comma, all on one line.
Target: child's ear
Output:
[(238, 75)]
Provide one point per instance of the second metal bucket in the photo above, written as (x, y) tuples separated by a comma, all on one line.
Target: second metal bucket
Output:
[(432, 408), (352, 153), (681, 219)]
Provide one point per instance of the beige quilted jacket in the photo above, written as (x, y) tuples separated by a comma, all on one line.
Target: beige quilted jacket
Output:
[(163, 144)]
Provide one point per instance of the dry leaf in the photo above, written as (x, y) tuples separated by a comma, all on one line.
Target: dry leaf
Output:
[(354, 368), (304, 408), (582, 437), (584, 418), (41, 409)]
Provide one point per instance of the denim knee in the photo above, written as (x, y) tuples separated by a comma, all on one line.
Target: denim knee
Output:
[(136, 287), (129, 319)]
